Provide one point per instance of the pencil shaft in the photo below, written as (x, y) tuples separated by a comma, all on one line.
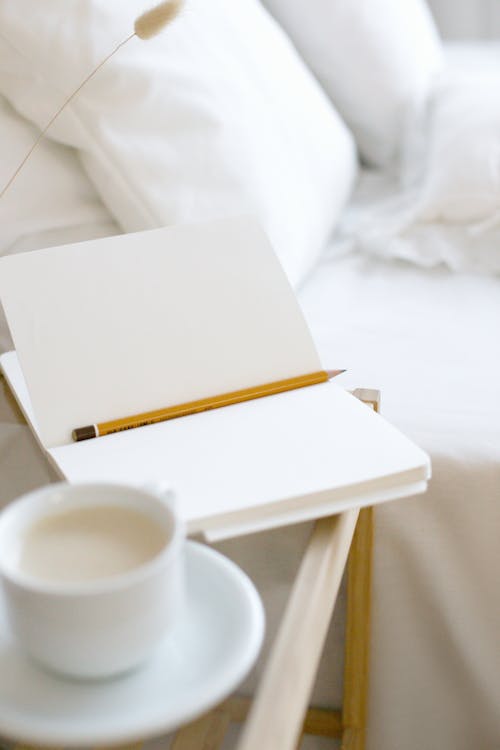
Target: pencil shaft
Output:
[(213, 402)]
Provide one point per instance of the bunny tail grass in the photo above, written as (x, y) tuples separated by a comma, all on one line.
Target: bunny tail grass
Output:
[(145, 27), (153, 21)]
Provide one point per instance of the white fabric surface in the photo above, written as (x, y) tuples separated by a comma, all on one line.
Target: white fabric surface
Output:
[(467, 19), (216, 116), (376, 59), (462, 180), (430, 341), (472, 56), (50, 202), (446, 210), (382, 221), (51, 195), (460, 142)]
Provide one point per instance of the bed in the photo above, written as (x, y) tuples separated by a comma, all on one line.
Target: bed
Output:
[(427, 337)]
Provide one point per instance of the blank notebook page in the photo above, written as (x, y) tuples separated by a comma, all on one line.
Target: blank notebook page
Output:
[(124, 325)]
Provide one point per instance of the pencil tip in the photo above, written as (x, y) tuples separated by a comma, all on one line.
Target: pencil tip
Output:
[(333, 373)]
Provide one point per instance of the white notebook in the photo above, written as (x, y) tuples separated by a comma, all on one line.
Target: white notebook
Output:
[(124, 325)]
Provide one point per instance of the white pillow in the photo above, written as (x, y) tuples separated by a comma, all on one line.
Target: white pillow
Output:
[(376, 59), (461, 180), (216, 116), (450, 213), (50, 203)]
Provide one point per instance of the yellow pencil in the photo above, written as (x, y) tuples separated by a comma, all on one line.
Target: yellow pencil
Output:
[(202, 404)]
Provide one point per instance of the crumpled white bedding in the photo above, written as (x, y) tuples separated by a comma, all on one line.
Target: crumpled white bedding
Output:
[(386, 222), (445, 206)]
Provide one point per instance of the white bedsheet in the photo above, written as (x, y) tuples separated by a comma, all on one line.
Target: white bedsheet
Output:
[(429, 340)]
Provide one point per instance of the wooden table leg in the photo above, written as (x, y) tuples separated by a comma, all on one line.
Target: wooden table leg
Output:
[(277, 714), (358, 615), (357, 639)]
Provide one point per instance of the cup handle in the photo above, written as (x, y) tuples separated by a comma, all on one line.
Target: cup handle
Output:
[(164, 491)]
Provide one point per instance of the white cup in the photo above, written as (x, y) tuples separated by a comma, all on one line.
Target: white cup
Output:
[(98, 628)]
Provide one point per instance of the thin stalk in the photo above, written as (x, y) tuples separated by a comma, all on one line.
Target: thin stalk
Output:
[(61, 108)]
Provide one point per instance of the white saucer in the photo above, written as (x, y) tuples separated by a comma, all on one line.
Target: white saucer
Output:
[(213, 646)]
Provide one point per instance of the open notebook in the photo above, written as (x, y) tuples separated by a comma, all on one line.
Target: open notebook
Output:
[(124, 325)]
